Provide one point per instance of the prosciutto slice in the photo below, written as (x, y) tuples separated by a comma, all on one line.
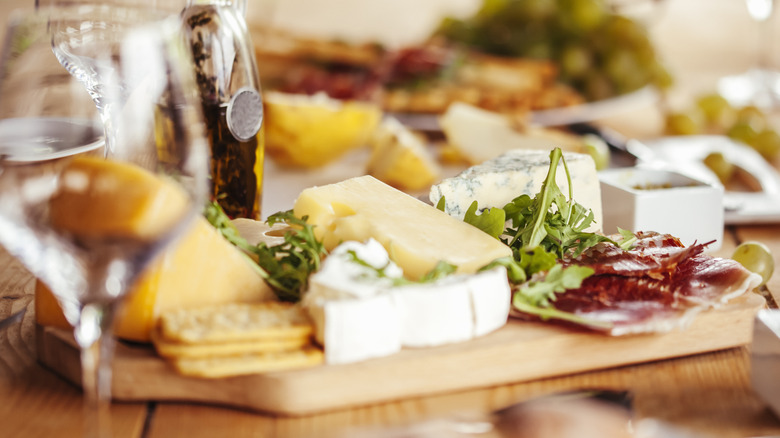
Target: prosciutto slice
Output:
[(657, 286)]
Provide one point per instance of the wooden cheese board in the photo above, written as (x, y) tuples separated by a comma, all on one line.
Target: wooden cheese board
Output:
[(519, 351)]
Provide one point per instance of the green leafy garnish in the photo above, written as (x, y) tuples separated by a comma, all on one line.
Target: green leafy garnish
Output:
[(543, 230), (441, 270), (285, 267), (560, 230), (490, 220)]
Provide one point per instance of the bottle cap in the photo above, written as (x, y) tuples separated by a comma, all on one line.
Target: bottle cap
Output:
[(245, 113)]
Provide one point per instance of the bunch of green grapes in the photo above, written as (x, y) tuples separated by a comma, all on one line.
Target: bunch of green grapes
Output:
[(599, 53), (713, 114)]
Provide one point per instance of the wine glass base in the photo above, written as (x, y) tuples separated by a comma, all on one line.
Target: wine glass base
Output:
[(759, 87)]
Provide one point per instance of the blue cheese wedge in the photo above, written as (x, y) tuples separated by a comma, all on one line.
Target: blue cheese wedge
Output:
[(360, 312), (497, 182)]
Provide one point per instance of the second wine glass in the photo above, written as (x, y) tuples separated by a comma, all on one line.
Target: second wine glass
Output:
[(84, 222)]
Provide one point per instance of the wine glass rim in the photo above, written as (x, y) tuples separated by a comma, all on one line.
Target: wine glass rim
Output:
[(21, 127)]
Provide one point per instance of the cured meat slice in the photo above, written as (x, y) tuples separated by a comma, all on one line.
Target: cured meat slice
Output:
[(657, 286)]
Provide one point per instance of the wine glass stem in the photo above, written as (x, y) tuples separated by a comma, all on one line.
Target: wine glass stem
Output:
[(94, 336)]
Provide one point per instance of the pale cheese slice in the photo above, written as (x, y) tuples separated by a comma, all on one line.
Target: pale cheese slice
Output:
[(416, 235), (359, 312)]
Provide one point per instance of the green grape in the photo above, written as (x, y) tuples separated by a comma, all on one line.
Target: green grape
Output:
[(720, 166), (752, 116), (716, 110), (767, 143), (756, 257), (576, 61), (586, 14), (742, 131), (661, 77), (598, 149), (682, 124), (621, 67)]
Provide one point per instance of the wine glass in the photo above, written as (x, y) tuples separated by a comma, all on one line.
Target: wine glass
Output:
[(759, 86), (86, 219)]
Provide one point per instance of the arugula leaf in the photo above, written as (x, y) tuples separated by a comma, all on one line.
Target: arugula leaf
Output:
[(514, 271), (557, 280), (441, 270), (561, 229), (491, 220), (285, 267)]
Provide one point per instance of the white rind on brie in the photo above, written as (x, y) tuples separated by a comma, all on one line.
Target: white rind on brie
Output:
[(359, 314), (497, 182), (435, 313)]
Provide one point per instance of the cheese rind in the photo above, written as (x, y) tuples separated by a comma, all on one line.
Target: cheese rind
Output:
[(359, 313), (354, 318), (353, 330), (436, 313), (497, 182), (416, 235)]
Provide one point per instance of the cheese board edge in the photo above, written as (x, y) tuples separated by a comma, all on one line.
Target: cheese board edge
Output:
[(140, 375)]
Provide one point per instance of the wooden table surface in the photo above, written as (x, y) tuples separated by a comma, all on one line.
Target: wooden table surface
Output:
[(708, 393)]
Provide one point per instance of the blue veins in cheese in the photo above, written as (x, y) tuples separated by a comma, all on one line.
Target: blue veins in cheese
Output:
[(359, 314), (497, 182)]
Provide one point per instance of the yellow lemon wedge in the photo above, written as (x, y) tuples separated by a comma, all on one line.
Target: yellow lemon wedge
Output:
[(311, 131), (400, 158), (101, 198)]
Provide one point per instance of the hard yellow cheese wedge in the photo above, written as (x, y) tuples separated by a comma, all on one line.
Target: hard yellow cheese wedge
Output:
[(416, 235), (102, 198), (201, 269)]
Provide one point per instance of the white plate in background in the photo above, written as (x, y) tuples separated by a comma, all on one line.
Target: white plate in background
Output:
[(586, 112), (684, 154)]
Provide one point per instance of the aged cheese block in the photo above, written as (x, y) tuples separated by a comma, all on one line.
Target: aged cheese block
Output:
[(201, 269), (103, 198), (416, 235), (497, 182)]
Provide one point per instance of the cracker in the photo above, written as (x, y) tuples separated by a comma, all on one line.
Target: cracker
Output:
[(172, 349), (228, 366), (270, 320)]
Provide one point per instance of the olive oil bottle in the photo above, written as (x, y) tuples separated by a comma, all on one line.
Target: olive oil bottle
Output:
[(229, 85)]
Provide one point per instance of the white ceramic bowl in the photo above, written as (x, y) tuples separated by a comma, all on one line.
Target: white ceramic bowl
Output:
[(642, 199)]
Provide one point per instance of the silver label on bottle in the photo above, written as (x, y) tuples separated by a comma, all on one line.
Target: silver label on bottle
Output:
[(245, 113)]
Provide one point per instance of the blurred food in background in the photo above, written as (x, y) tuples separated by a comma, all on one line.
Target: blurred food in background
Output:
[(314, 130), (486, 73), (599, 53), (713, 114)]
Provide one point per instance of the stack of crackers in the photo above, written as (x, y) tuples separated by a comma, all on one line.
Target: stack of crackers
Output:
[(236, 339)]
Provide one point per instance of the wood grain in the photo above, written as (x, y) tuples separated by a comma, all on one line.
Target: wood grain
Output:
[(520, 351), (35, 401)]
